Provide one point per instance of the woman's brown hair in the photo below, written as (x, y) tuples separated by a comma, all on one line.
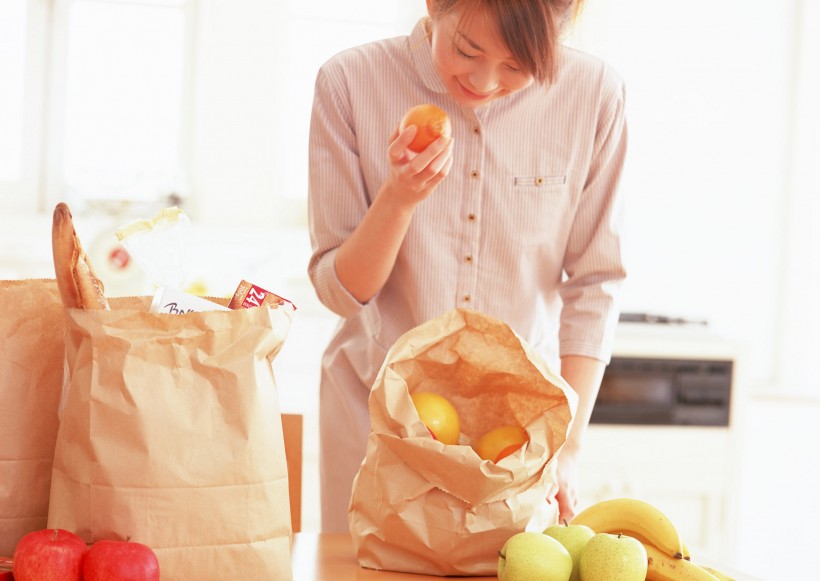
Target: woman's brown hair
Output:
[(530, 29)]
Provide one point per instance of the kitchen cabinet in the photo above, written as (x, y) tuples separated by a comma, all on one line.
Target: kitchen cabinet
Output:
[(686, 472)]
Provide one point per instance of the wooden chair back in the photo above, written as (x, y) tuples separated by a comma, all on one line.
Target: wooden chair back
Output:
[(292, 430)]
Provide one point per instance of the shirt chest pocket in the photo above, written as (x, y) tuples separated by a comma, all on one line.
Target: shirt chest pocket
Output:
[(538, 207)]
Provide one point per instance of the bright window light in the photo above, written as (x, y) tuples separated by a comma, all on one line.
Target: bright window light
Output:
[(123, 105), (12, 79)]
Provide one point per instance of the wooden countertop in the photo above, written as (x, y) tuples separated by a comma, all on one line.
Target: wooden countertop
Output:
[(330, 557)]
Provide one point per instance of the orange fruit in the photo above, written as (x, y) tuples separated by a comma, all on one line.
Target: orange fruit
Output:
[(439, 415), (431, 123), (500, 442)]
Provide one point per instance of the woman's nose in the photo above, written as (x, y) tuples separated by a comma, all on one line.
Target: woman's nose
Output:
[(484, 80)]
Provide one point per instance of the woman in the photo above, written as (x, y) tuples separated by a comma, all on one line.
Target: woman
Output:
[(515, 216)]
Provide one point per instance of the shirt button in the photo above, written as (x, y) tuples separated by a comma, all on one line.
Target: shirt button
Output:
[(469, 258), (474, 174), (477, 130), (466, 298), (471, 217)]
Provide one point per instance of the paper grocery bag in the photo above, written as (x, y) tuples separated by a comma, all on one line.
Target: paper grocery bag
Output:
[(421, 506), (171, 436), (31, 378)]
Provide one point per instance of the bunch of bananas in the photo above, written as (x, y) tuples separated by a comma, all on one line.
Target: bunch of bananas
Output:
[(668, 556)]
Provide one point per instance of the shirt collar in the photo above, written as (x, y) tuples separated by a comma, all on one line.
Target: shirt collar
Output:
[(422, 53)]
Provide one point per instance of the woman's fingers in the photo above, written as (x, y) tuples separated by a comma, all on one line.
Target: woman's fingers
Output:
[(417, 174), (567, 501), (431, 161), (441, 174), (397, 150)]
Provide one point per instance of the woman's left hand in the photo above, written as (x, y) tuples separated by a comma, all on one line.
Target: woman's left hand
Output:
[(567, 481)]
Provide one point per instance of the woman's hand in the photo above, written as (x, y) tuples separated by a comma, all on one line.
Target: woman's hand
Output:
[(584, 375), (413, 176), (567, 481)]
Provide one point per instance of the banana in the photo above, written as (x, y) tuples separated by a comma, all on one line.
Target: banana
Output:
[(685, 552), (643, 520), (719, 575), (662, 567)]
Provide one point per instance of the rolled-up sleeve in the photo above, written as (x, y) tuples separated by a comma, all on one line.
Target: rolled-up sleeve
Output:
[(338, 198), (593, 263)]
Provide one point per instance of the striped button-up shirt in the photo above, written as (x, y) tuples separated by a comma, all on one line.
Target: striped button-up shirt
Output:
[(526, 227)]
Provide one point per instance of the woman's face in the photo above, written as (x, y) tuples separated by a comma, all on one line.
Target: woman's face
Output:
[(472, 61)]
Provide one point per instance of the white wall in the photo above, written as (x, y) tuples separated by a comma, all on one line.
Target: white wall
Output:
[(708, 93), (720, 177), (236, 120), (254, 88)]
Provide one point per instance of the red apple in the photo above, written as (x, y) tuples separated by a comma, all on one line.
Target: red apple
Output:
[(49, 555), (120, 561)]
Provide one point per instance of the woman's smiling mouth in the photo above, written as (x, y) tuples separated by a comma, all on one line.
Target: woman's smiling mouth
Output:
[(472, 94)]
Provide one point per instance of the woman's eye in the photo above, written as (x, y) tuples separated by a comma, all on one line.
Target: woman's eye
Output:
[(464, 54)]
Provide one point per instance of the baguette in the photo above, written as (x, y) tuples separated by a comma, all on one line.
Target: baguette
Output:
[(79, 286)]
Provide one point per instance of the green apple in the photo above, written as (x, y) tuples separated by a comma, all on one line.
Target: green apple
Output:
[(574, 538), (608, 557), (532, 556)]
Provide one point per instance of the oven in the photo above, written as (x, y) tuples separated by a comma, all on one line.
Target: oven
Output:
[(666, 372)]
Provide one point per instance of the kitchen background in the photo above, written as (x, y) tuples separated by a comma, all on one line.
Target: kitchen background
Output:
[(123, 107)]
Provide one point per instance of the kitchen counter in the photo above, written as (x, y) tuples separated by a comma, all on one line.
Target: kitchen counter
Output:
[(330, 557)]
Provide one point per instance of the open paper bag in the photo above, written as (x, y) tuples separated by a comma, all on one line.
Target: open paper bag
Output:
[(31, 378), (421, 506), (171, 436)]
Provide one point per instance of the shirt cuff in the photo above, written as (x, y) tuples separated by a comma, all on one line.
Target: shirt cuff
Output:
[(599, 352), (330, 290)]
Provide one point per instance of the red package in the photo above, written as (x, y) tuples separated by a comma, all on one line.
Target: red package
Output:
[(249, 295)]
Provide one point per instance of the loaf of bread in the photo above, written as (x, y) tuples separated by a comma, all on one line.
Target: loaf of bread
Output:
[(79, 286)]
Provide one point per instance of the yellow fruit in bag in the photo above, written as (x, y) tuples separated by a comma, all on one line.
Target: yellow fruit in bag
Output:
[(500, 442), (439, 415)]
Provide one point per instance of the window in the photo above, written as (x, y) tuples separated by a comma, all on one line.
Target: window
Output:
[(12, 70), (119, 99), (113, 100), (123, 92), (95, 101), (22, 61), (797, 352)]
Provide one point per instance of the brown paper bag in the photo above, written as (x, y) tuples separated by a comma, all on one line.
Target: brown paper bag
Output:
[(424, 507), (171, 436), (31, 378)]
